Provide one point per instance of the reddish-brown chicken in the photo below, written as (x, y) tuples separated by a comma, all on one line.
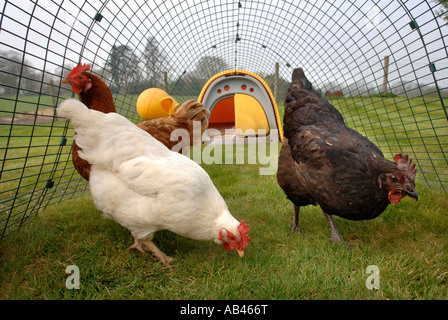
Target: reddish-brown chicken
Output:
[(96, 95), (184, 118), (322, 161)]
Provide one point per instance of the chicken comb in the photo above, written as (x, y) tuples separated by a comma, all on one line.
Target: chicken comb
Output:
[(82, 67), (405, 164), (243, 230)]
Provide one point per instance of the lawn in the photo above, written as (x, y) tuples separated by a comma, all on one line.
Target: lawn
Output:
[(407, 244)]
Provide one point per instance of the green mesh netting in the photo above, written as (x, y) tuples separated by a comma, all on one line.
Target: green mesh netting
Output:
[(388, 59)]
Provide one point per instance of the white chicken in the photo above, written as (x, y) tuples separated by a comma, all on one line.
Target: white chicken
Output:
[(138, 182)]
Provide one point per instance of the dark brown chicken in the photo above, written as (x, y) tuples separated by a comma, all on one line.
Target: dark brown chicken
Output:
[(96, 95), (324, 162)]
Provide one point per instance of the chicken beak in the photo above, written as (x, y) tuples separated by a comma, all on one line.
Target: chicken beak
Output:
[(65, 80), (413, 194), (409, 191), (241, 253)]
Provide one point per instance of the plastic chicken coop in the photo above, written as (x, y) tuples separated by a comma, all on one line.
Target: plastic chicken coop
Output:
[(383, 64)]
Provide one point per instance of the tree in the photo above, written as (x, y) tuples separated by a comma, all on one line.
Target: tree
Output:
[(14, 69), (154, 59), (62, 71), (122, 64), (444, 11), (191, 83), (208, 66), (282, 84)]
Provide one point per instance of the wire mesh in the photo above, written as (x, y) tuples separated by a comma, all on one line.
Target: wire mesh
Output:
[(179, 45)]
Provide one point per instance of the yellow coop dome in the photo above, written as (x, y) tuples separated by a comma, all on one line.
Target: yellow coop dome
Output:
[(155, 103)]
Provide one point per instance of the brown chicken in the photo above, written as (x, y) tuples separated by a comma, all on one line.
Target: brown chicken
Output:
[(186, 114), (324, 162), (96, 95)]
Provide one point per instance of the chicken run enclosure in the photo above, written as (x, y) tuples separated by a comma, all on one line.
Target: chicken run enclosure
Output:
[(383, 64)]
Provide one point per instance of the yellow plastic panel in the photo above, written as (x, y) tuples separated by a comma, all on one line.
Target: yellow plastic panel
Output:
[(249, 114)]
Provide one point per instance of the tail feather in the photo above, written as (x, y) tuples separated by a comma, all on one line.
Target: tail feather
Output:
[(192, 110), (305, 106), (299, 79), (299, 88), (72, 109), (82, 117), (106, 138)]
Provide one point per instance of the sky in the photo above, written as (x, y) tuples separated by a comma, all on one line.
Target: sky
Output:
[(334, 39)]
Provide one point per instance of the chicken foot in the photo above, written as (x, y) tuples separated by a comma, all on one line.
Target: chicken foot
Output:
[(335, 235), (144, 246)]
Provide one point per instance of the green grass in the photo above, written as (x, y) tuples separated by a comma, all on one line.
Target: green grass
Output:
[(9, 105), (408, 243)]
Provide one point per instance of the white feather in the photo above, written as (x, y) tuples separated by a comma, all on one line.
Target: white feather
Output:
[(140, 183)]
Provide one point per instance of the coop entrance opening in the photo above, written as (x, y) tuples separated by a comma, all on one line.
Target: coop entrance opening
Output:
[(222, 116), (238, 115)]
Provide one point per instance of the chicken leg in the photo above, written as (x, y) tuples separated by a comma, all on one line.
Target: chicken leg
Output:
[(144, 246), (335, 235), (295, 223)]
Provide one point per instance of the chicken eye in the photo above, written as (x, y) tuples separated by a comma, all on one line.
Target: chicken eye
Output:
[(393, 178)]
